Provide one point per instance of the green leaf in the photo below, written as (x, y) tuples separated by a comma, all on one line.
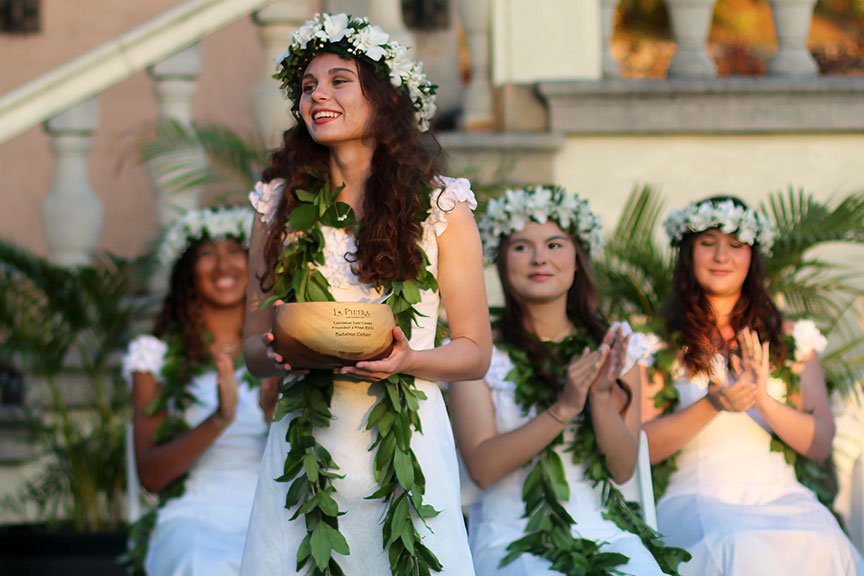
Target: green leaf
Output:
[(303, 217), (320, 545), (402, 461), (310, 465)]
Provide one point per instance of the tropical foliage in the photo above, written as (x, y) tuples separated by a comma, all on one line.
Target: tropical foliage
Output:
[(635, 268), (75, 320)]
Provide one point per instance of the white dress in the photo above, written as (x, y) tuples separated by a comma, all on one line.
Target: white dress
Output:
[(271, 546), (495, 519), (738, 508), (202, 532)]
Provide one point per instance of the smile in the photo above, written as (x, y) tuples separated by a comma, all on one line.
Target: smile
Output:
[(321, 114)]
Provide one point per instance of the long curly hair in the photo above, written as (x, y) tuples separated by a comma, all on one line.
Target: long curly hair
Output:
[(582, 311), (182, 312), (689, 312), (396, 200)]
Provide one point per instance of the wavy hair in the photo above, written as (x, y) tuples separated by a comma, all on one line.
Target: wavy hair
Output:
[(689, 312), (182, 311), (396, 199), (582, 311)]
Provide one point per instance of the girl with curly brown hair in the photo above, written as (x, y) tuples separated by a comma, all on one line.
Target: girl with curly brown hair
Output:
[(353, 209)]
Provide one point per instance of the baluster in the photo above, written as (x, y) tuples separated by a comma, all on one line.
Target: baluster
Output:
[(270, 109), (175, 84), (477, 110), (691, 20), (792, 24), (72, 213)]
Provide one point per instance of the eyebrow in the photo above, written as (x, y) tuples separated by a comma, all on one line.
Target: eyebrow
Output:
[(556, 237), (331, 72)]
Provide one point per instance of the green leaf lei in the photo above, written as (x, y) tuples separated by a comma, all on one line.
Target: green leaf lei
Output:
[(309, 467), (549, 532), (817, 476), (174, 399)]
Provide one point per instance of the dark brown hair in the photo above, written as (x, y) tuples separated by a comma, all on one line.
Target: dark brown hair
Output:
[(690, 313), (582, 311), (182, 312), (396, 199)]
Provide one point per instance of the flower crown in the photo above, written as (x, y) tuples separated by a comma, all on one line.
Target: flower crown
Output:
[(748, 225), (349, 37), (211, 224), (512, 211)]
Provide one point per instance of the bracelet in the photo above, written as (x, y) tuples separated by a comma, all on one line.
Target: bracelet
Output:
[(555, 416), (715, 403)]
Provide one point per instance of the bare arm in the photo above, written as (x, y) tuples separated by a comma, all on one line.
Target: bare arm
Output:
[(618, 433), (460, 279), (490, 456), (160, 465), (259, 321), (809, 429)]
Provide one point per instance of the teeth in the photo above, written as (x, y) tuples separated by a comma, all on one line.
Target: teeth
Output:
[(225, 282), (324, 114)]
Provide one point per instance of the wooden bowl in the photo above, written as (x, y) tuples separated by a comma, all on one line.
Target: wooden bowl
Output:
[(332, 334)]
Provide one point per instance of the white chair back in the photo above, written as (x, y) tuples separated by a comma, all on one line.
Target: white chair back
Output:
[(639, 488), (133, 485)]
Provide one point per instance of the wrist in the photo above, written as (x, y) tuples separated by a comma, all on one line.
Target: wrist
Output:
[(562, 413), (714, 401), (219, 420)]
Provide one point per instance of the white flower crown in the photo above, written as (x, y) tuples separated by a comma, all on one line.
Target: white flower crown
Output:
[(212, 224), (512, 211), (354, 38), (748, 225)]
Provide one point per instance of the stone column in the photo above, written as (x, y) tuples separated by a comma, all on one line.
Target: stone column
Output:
[(175, 84), (477, 111), (691, 20), (388, 15), (792, 24), (72, 213), (607, 21), (270, 109)]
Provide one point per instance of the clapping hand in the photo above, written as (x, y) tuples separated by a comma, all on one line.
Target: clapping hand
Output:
[(755, 363), (616, 346), (581, 372), (227, 386)]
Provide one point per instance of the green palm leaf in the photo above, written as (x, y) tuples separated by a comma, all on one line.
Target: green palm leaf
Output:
[(187, 156), (634, 272)]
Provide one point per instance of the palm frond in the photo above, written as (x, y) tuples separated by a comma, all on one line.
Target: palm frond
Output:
[(633, 272), (188, 156)]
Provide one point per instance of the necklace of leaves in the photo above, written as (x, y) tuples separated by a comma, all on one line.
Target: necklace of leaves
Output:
[(174, 399), (549, 532), (309, 467), (817, 476)]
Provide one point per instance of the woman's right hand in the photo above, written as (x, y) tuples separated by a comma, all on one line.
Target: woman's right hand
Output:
[(738, 397), (581, 372), (227, 384), (269, 339)]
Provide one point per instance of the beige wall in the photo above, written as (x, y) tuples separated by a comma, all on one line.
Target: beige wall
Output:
[(232, 64), (694, 166)]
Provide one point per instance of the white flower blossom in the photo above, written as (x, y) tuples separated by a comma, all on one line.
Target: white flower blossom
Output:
[(356, 37), (748, 226), (808, 340), (516, 207), (145, 354), (211, 223)]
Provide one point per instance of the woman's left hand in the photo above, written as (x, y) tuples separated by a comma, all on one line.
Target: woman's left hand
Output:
[(605, 381), (756, 361), (398, 361)]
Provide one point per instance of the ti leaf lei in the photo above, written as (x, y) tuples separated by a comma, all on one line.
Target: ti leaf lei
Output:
[(174, 399), (309, 467), (549, 532), (817, 476)]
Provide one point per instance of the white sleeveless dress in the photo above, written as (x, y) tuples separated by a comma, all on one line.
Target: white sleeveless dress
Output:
[(272, 541), (738, 508), (495, 519), (202, 532)]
